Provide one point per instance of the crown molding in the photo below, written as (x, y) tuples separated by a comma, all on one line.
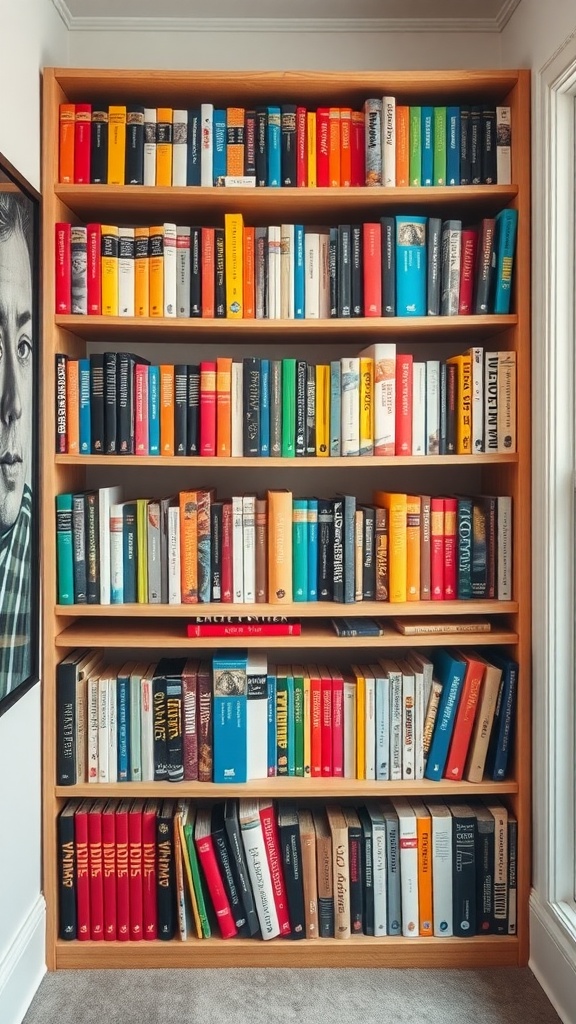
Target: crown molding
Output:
[(505, 13), (63, 10)]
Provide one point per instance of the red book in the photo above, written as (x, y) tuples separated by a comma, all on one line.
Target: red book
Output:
[(149, 908), (208, 409), (322, 147), (122, 872), (93, 269), (403, 444), (82, 137), (63, 268), (437, 549), (82, 870), (301, 148), (450, 549), (357, 146), (244, 629), (189, 720), (326, 720), (141, 409), (315, 723), (208, 276), (469, 245), (96, 874), (109, 869), (337, 724), (465, 715), (372, 256), (204, 719), (274, 856), (226, 561), (209, 861), (136, 914)]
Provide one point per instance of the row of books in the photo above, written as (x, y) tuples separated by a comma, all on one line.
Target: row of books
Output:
[(238, 717), (193, 547), (378, 403), (149, 869), (408, 265), (385, 143)]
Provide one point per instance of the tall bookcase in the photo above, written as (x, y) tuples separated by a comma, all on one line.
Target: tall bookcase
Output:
[(159, 628)]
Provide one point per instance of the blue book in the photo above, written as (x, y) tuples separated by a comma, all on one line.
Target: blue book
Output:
[(219, 146), (349, 529), (312, 549), (271, 690), (64, 549), (300, 549), (123, 725), (299, 276), (229, 710), (504, 248), (274, 143), (84, 388), (335, 409), (453, 145), (427, 174), (449, 671), (501, 737), (129, 551), (411, 266), (265, 408), (194, 137), (154, 410), (291, 726)]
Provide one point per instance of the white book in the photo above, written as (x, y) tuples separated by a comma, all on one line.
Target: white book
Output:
[(112, 727), (383, 355), (237, 406), (170, 270), (182, 271), (206, 148), (147, 725), (370, 723), (477, 356), (179, 146), (432, 407), (408, 757), (349, 709), (491, 402), (408, 844), (93, 713), (419, 712), (103, 737), (379, 880), (116, 555), (324, 271), (150, 146), (249, 547), (441, 867), (287, 271), (258, 870), (350, 405), (174, 575), (257, 714), (274, 288), (419, 444), (126, 271), (237, 551), (395, 686), (506, 402), (382, 723), (389, 141), (311, 275), (504, 548), (503, 146), (500, 889)]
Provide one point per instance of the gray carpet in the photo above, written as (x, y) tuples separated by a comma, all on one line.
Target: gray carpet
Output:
[(503, 996)]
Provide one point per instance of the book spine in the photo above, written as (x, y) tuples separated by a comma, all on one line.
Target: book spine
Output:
[(99, 147)]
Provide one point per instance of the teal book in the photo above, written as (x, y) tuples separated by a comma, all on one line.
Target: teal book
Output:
[(504, 249), (440, 145), (411, 265), (135, 726), (299, 272), (219, 147), (415, 146), (229, 682), (312, 549), (298, 676), (85, 429), (449, 671), (427, 145), (264, 407), (64, 549), (288, 408), (123, 725), (274, 146), (300, 549), (154, 410)]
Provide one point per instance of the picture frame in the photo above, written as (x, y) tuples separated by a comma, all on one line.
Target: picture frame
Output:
[(20, 362)]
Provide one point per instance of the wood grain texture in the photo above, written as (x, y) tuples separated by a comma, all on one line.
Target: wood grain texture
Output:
[(304, 609)]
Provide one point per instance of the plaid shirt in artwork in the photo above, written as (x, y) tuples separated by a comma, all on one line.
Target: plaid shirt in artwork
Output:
[(15, 570)]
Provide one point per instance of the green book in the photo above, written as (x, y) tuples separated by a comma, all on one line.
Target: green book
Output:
[(298, 671), (440, 153), (142, 538), (415, 164), (196, 879), (300, 549), (64, 549), (288, 408)]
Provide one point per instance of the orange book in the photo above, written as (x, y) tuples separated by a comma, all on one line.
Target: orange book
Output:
[(424, 840), (66, 149), (465, 715), (463, 365), (345, 146), (164, 118), (235, 140), (402, 146), (167, 410), (223, 406), (412, 547), (156, 271), (279, 547), (397, 542), (249, 289), (73, 406), (207, 276), (334, 147), (188, 545)]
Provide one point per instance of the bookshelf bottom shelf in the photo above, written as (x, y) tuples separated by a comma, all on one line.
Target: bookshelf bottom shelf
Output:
[(360, 951)]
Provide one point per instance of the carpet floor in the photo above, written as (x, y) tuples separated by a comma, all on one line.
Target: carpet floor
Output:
[(239, 996)]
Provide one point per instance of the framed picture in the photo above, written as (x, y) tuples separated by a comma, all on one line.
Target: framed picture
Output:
[(19, 418)]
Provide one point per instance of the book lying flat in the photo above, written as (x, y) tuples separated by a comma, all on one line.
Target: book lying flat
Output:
[(463, 624), (229, 626), (357, 626)]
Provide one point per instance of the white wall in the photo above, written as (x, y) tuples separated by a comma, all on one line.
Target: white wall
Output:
[(32, 36)]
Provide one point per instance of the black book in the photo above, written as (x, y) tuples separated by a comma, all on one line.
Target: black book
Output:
[(310, 409), (165, 871), (225, 861), (338, 550), (325, 549), (129, 551), (301, 384), (180, 409), (369, 554), (434, 275), (288, 143), (355, 871), (463, 870), (484, 870), (67, 674), (99, 146), (251, 403), (160, 726), (110, 412), (357, 271), (451, 385), (388, 226), (125, 402), (485, 266), (195, 272), (512, 869), (170, 670), (216, 550), (333, 268), (239, 866), (92, 548), (193, 150), (344, 271), (465, 172), (61, 415), (291, 848), (489, 145), (250, 144), (261, 145), (475, 145), (134, 170), (67, 922), (193, 412), (367, 870), (219, 273), (96, 403), (79, 548)]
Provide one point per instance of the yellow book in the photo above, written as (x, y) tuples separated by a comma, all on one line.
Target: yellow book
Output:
[(307, 723), (366, 405), (156, 271), (360, 721), (116, 145), (311, 146), (164, 117), (234, 246), (279, 547), (142, 542), (142, 272), (413, 547), (322, 410), (463, 365), (109, 270), (181, 817), (397, 542)]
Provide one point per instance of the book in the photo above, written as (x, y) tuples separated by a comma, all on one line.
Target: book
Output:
[(230, 716), (258, 867), (457, 624)]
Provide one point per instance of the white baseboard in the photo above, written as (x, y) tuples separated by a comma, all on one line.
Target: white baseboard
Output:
[(23, 966), (553, 959)]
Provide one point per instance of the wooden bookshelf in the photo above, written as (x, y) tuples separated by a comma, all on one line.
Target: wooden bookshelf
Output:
[(161, 627)]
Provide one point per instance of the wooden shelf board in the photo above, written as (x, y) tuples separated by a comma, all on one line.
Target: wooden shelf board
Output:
[(305, 609), (312, 462), (129, 633), (360, 951), (357, 789)]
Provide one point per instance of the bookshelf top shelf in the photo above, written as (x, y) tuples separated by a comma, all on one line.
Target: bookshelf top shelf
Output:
[(296, 609), (310, 462)]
